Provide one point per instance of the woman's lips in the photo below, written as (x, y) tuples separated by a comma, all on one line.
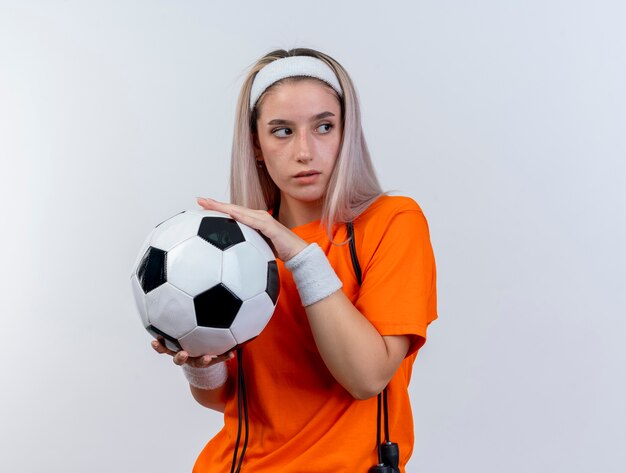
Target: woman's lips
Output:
[(307, 177)]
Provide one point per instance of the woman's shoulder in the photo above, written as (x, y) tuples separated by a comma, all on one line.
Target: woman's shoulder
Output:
[(385, 207), (391, 232), (388, 218)]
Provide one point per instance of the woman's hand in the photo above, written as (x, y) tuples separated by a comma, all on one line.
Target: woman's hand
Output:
[(286, 243), (182, 357)]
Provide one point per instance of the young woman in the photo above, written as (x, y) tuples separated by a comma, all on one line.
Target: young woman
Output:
[(300, 173)]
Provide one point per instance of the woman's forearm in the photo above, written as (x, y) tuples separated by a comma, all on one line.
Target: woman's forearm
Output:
[(356, 354), (213, 398)]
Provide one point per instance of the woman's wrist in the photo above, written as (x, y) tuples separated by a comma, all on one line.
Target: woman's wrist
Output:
[(211, 377), (315, 278)]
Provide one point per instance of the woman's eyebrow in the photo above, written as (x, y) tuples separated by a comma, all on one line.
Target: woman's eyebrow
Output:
[(319, 116), (278, 121)]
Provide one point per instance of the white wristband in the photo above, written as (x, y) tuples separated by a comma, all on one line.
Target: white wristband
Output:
[(211, 377), (314, 276)]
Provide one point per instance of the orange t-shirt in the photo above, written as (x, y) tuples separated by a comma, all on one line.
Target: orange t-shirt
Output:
[(300, 418)]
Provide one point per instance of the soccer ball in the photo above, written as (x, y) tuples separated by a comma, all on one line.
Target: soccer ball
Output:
[(205, 283)]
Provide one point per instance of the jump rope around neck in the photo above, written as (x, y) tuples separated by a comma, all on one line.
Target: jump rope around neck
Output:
[(388, 451)]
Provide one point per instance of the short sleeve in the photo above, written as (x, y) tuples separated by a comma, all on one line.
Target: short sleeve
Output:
[(398, 293)]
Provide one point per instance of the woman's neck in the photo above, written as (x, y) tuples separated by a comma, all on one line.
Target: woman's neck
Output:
[(295, 213)]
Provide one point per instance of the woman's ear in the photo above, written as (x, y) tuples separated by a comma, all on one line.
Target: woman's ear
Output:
[(258, 154)]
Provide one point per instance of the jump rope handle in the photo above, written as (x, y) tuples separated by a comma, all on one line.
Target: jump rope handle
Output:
[(381, 469)]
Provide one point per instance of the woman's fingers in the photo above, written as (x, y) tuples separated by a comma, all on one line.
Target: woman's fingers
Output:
[(182, 357), (210, 204), (225, 357), (160, 347), (252, 218)]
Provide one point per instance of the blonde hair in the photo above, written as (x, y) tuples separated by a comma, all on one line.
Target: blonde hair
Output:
[(353, 185)]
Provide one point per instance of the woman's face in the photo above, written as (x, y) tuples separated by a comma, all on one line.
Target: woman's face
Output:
[(299, 133)]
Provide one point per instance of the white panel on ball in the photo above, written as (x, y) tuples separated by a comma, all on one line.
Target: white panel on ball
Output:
[(140, 300), (142, 252), (171, 310), (257, 240), (194, 266), (253, 316), (244, 270), (176, 229), (208, 341)]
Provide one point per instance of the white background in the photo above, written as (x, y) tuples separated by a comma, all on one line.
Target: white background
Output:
[(505, 120)]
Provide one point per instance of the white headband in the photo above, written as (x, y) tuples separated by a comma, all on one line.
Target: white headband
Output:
[(292, 66)]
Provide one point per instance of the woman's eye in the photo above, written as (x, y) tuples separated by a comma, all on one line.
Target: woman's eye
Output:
[(324, 128), (282, 132)]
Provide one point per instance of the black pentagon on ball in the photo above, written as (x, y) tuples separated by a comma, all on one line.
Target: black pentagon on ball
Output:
[(170, 342), (220, 232), (151, 271), (273, 281), (216, 307)]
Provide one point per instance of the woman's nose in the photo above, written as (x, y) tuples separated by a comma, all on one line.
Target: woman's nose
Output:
[(303, 151)]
